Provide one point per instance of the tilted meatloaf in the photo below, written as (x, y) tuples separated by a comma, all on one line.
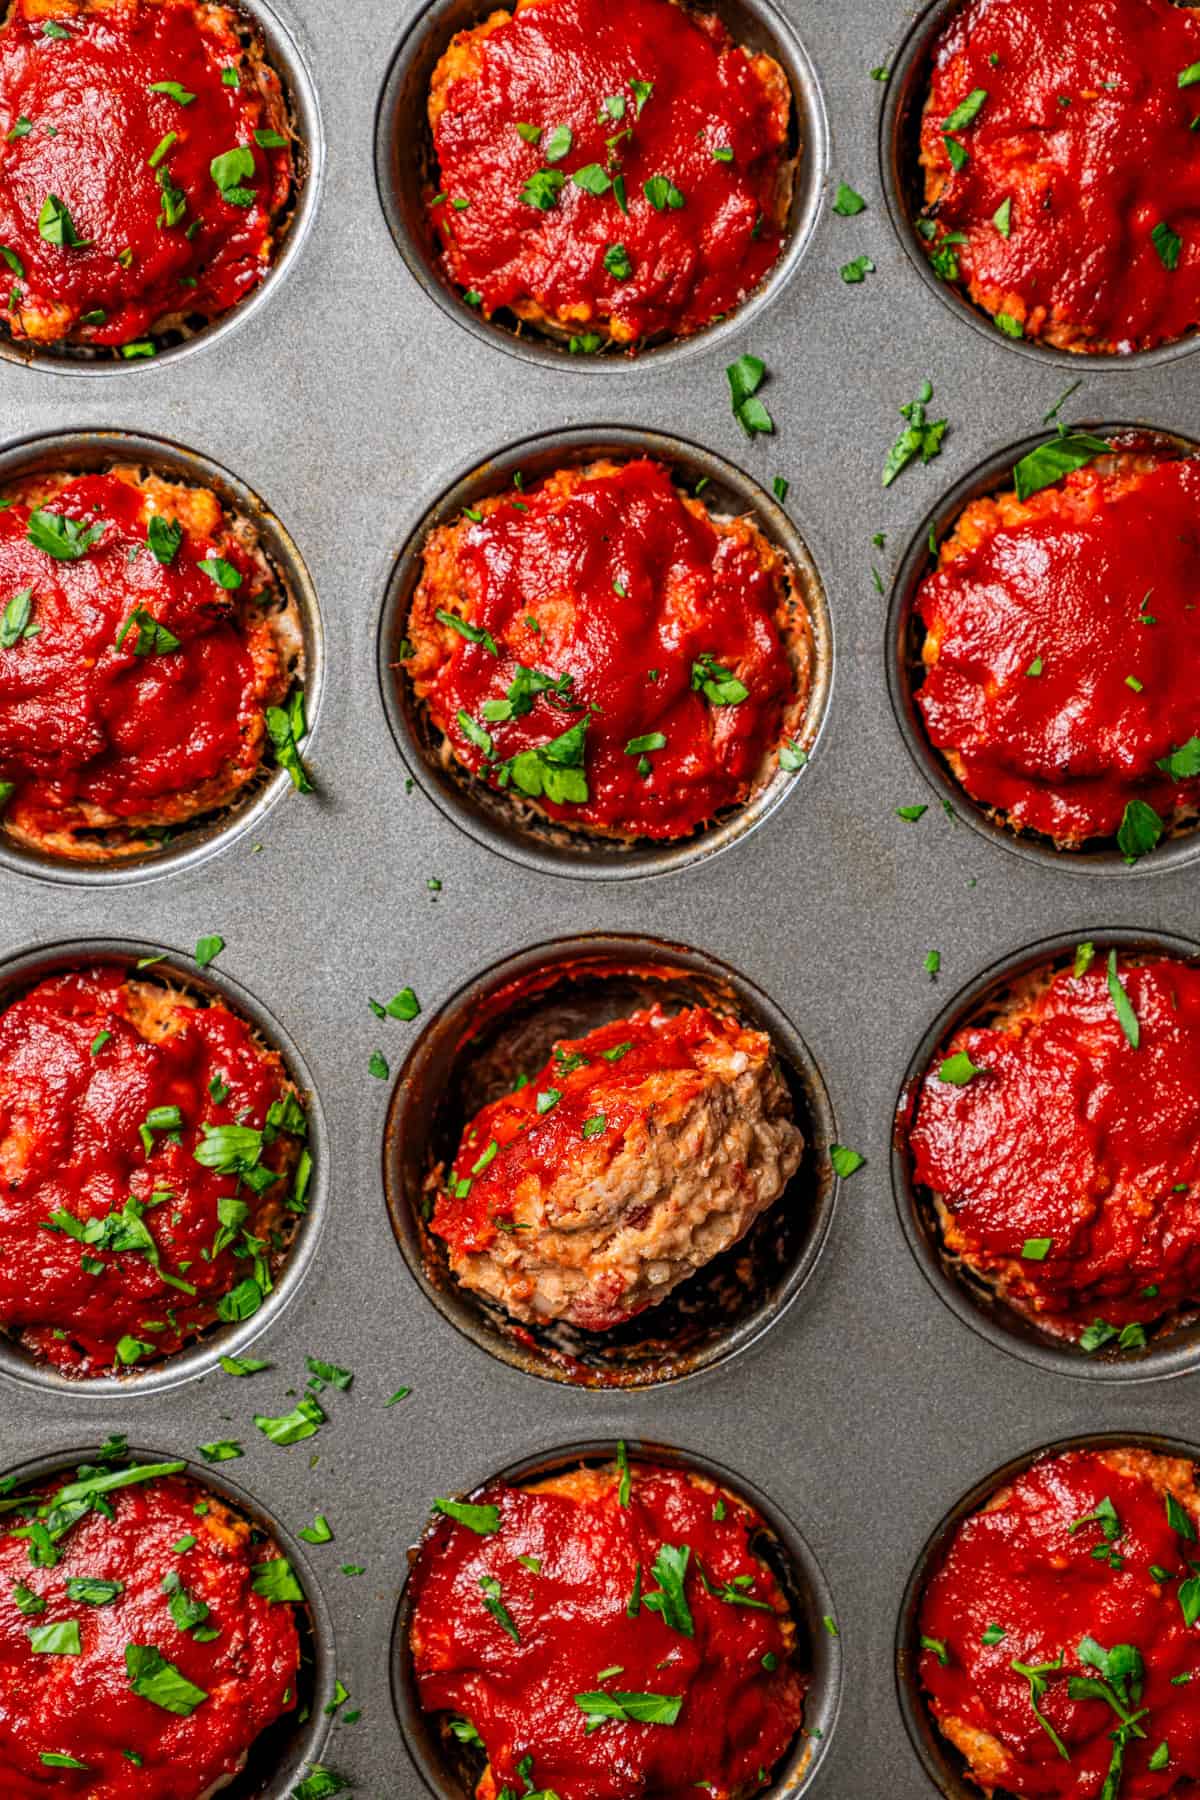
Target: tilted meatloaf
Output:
[(148, 1637), (1058, 1646), (1062, 646), (606, 653), (143, 635), (146, 165), (151, 1165), (608, 172), (1062, 171), (611, 1633), (1065, 1162), (637, 1154)]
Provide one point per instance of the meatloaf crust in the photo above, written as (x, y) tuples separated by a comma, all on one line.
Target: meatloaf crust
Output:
[(634, 1157)]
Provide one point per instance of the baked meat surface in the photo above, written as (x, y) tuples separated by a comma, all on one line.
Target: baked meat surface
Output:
[(148, 1637), (607, 654), (144, 635), (634, 1157), (151, 1165), (608, 173), (1062, 170), (1064, 1162), (1056, 1654), (1061, 645), (146, 167), (612, 1634)]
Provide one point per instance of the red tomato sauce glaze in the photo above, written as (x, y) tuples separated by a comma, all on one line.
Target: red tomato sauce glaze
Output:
[(654, 639), (578, 1576), (100, 1123), (1043, 1582), (537, 1129), (87, 721), (652, 195), (1071, 1141), (1067, 635), (92, 120), (170, 1577), (1085, 134)]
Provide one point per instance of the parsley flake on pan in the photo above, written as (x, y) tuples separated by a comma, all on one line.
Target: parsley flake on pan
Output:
[(920, 437), (745, 377)]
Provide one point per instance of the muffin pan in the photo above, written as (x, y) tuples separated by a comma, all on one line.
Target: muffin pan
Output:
[(353, 396)]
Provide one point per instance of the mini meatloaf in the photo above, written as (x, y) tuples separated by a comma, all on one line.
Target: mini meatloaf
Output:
[(146, 168), (1058, 1653), (152, 1157), (636, 1155), (1062, 170), (144, 636), (609, 173), (1063, 1158), (1062, 651), (148, 1636), (608, 654), (610, 1633)]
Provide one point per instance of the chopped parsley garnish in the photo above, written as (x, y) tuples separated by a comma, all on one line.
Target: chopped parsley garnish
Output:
[(91, 1590), (65, 539), (221, 572), (56, 1640), (1184, 763), (151, 639), (852, 273), (646, 1709), (223, 1450), (1036, 1249), (232, 171), (920, 438), (1002, 217), (275, 1580), (845, 1161), (14, 623), (483, 1520), (557, 143), (1168, 244), (493, 1601), (938, 1649), (958, 1069), (966, 111), (617, 262), (1050, 461), (1097, 1334), (662, 194), (1121, 1003), (847, 203), (474, 634), (287, 726), (1035, 1674), (543, 188), (55, 226), (174, 90), (594, 1126), (555, 769), (993, 1635), (154, 1678), (304, 1421), (1139, 831), (625, 1484), (164, 537), (208, 948), (745, 377), (720, 686), (669, 1600)]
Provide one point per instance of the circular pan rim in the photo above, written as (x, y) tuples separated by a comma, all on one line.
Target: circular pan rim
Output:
[(591, 859), (806, 1753), (985, 479), (808, 101), (291, 63), (908, 68), (593, 950), (201, 1355), (100, 446), (308, 1738), (933, 1752), (999, 1325)]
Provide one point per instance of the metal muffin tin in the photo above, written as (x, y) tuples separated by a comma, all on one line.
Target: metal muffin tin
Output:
[(352, 396)]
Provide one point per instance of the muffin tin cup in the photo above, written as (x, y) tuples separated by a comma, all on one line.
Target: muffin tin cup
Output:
[(560, 989), (290, 60), (485, 815), (405, 165), (904, 676), (1177, 1350), (285, 1752), (88, 450), (901, 176), (942, 1763), (201, 1355), (791, 1559)]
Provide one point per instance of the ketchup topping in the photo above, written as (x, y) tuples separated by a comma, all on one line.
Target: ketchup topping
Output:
[(1042, 1582), (617, 598), (645, 96), (85, 721), (1086, 135), (589, 1615), (537, 1131), (1069, 1134), (150, 233), (1068, 640), (242, 1655), (78, 1082)]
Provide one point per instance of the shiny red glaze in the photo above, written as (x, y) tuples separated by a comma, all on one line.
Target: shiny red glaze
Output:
[(1088, 181), (84, 721), (92, 89), (84, 1706), (1065, 751), (69, 1140), (1022, 1568), (1071, 1134), (737, 1719), (554, 64), (545, 1145), (688, 591)]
